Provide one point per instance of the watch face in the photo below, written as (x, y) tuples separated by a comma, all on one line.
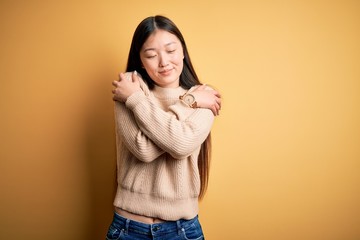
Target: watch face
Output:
[(189, 99)]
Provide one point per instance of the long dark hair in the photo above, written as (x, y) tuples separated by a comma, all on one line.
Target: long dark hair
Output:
[(188, 78)]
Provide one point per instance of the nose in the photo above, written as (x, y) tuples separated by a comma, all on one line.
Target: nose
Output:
[(164, 61)]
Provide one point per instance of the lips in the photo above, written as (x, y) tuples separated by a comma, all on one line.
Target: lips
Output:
[(166, 71)]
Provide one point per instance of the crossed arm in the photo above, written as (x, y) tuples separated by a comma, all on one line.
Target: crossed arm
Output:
[(205, 96), (148, 131)]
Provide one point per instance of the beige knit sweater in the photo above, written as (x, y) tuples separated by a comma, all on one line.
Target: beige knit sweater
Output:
[(158, 143)]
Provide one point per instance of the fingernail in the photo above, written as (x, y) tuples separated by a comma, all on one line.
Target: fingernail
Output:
[(135, 72)]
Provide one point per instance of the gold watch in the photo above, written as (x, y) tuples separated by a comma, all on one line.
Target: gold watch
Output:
[(189, 99)]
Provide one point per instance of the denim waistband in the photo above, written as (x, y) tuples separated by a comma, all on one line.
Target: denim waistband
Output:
[(152, 229)]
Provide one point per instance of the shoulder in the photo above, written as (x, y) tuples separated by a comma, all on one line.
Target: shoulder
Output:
[(143, 85)]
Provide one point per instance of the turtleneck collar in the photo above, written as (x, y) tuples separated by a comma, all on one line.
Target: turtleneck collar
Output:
[(161, 92)]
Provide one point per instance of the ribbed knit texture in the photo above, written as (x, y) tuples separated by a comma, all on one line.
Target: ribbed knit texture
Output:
[(158, 143)]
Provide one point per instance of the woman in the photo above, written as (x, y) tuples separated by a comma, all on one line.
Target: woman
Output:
[(163, 121)]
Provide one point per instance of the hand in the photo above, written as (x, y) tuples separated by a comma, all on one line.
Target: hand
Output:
[(125, 86), (206, 97)]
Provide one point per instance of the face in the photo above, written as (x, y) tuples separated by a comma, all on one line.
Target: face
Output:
[(162, 57)]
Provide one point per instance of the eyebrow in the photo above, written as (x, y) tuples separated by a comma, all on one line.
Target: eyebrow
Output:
[(153, 49)]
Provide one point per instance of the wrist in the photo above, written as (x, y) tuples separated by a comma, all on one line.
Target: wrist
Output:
[(189, 99)]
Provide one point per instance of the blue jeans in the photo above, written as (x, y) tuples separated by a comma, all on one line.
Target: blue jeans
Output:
[(126, 229)]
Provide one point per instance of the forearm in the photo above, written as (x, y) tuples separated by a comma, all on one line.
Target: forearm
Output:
[(179, 132), (132, 136)]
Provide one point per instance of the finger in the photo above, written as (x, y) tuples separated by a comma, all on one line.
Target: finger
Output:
[(122, 77), (216, 93), (115, 83), (134, 76), (218, 101), (218, 107), (218, 110), (215, 111)]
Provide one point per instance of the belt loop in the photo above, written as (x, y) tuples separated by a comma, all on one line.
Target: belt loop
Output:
[(178, 223), (127, 226)]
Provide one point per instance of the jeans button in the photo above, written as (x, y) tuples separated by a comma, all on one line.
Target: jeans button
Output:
[(156, 228)]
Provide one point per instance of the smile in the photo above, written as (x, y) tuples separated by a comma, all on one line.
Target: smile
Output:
[(166, 71)]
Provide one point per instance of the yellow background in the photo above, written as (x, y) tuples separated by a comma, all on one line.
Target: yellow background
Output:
[(286, 155)]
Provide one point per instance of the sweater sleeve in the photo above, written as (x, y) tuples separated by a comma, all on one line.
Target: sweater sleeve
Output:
[(179, 132), (131, 135)]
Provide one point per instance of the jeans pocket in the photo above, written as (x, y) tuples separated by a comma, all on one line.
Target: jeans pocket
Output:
[(193, 233), (113, 233)]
